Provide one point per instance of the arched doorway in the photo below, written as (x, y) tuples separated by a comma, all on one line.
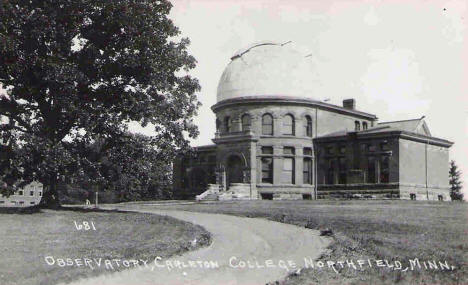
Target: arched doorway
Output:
[(234, 173)]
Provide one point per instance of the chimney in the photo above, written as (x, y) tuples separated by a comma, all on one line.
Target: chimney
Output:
[(349, 104)]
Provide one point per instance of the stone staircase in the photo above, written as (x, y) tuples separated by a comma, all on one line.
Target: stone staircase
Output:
[(211, 194), (237, 191)]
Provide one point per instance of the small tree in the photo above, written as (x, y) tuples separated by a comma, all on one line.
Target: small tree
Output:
[(455, 183)]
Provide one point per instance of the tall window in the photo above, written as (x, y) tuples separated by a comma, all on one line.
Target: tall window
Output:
[(308, 126), (288, 176), (307, 166), (370, 169), (307, 170), (245, 122), (227, 124), (357, 126), (342, 170), (218, 125), (288, 125), (331, 172), (364, 126), (384, 169), (267, 165), (288, 170), (267, 125), (267, 170)]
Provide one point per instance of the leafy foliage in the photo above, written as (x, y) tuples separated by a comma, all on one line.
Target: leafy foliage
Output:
[(455, 183), (76, 73), (137, 170)]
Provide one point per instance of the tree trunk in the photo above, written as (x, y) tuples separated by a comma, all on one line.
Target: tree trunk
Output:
[(50, 198)]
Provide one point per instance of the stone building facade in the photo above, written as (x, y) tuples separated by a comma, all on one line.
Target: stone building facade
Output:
[(392, 160), (274, 140)]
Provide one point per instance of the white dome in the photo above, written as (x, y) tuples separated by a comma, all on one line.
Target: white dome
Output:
[(267, 69)]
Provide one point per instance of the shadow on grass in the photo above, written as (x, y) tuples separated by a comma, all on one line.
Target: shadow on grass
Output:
[(38, 209), (91, 210), (20, 210)]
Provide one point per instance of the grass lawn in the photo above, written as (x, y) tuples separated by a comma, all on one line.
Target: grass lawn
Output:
[(26, 239), (391, 230)]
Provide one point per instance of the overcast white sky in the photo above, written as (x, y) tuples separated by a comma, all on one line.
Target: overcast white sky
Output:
[(398, 59)]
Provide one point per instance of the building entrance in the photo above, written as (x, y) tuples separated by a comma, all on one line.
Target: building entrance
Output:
[(234, 171)]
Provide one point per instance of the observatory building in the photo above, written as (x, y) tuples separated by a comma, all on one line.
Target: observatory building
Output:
[(275, 140)]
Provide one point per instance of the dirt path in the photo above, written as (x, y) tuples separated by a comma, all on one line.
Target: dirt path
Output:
[(271, 249)]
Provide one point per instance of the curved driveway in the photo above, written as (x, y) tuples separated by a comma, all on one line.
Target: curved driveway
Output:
[(270, 249)]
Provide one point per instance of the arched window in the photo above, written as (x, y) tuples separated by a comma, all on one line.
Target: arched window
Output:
[(245, 122), (357, 126), (308, 126), (364, 126), (267, 125), (227, 124), (288, 125)]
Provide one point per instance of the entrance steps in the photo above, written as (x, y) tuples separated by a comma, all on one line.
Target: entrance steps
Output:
[(237, 191), (211, 194)]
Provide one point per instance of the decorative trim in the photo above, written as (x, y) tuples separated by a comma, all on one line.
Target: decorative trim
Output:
[(279, 99), (234, 138), (363, 186), (388, 134)]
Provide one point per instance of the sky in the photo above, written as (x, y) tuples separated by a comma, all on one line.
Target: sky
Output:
[(398, 59)]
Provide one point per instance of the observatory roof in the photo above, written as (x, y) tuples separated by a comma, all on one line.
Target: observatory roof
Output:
[(267, 69)]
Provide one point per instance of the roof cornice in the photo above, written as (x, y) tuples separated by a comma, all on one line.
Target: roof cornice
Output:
[(279, 99), (429, 140), (391, 133)]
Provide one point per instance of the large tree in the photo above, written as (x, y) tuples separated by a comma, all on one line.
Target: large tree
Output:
[(455, 183), (76, 73)]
